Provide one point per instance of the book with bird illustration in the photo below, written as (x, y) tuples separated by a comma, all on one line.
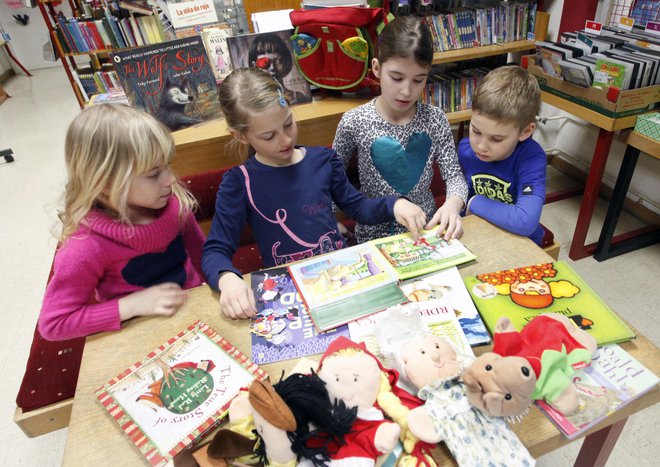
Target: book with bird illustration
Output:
[(178, 392)]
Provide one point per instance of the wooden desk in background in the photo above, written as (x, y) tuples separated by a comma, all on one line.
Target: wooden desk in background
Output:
[(95, 439)]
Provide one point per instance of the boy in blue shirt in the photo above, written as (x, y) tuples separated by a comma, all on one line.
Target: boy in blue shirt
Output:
[(504, 166)]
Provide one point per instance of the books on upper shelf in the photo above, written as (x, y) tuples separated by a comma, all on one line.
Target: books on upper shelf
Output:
[(282, 329), (172, 81), (178, 392), (448, 285), (346, 284), (215, 41), (523, 293), (428, 254), (613, 380), (271, 52)]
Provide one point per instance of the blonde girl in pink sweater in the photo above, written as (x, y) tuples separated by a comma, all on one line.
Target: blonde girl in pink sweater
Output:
[(130, 244)]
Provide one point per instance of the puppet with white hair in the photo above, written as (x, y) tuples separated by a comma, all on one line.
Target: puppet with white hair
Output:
[(432, 365)]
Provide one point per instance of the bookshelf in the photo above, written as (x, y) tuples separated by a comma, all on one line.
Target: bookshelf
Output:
[(450, 56)]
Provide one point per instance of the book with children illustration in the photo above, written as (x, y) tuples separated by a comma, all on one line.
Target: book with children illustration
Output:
[(428, 254), (345, 285), (448, 285), (215, 41), (177, 392), (523, 293), (173, 81), (613, 380), (282, 328)]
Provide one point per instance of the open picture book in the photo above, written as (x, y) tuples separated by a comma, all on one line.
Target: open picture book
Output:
[(178, 392)]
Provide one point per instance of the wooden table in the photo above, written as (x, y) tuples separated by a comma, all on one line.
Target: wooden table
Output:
[(95, 439), (608, 245)]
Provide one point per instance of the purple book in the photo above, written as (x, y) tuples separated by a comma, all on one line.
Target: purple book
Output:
[(282, 329)]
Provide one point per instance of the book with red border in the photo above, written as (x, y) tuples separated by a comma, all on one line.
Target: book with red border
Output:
[(178, 392)]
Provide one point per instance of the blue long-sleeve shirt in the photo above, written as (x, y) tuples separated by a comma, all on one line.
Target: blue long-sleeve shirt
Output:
[(509, 193), (289, 210)]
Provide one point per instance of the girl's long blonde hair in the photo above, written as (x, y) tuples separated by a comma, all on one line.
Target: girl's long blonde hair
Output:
[(107, 146)]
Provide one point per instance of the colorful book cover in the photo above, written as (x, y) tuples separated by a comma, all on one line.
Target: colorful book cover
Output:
[(448, 285), (609, 74), (428, 254), (613, 380), (526, 292), (178, 392), (346, 284), (215, 40), (271, 52), (173, 81), (282, 329)]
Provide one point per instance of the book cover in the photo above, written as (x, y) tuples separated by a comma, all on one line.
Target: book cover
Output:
[(272, 52), (448, 285), (613, 380), (346, 284), (173, 81), (609, 73), (177, 392), (428, 254), (215, 40), (282, 328), (523, 293)]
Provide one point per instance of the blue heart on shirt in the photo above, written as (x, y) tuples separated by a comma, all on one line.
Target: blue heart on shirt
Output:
[(156, 268), (400, 167)]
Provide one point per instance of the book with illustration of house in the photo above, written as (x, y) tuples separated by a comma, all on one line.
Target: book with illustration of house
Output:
[(448, 285), (428, 254), (526, 292), (346, 284), (613, 380), (178, 392), (282, 329), (173, 81)]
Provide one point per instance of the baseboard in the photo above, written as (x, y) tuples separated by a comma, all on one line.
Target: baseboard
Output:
[(569, 169)]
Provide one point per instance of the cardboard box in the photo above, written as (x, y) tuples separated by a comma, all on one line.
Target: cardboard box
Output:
[(612, 103), (649, 125)]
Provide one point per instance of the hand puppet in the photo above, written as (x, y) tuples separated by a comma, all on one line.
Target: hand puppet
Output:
[(536, 363)]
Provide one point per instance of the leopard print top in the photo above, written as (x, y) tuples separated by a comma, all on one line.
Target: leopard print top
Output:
[(398, 159)]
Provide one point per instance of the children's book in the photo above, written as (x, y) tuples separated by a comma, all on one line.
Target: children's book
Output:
[(282, 328), (428, 254), (448, 285), (613, 380), (437, 316), (273, 53), (177, 392), (610, 73), (523, 293), (215, 40), (173, 81), (345, 285)]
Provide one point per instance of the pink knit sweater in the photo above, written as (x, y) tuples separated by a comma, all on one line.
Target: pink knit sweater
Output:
[(107, 260)]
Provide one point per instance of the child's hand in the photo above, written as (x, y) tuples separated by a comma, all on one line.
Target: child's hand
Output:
[(236, 297), (448, 218), (158, 300), (410, 216)]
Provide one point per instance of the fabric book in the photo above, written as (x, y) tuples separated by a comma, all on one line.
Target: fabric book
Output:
[(523, 293), (428, 254), (178, 392), (173, 81), (346, 284), (613, 380), (448, 285), (282, 328)]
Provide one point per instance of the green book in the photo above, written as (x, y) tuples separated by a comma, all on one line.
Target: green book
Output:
[(523, 293), (609, 73)]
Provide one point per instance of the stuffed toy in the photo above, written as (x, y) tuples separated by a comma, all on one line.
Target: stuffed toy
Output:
[(270, 424), (536, 363), (434, 368)]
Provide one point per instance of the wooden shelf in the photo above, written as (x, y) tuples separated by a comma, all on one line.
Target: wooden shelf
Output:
[(480, 52)]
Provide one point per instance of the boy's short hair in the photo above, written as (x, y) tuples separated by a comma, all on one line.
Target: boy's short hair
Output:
[(510, 94)]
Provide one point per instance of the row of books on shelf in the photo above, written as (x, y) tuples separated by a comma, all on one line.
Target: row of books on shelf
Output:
[(97, 82), (482, 24), (453, 90), (614, 59)]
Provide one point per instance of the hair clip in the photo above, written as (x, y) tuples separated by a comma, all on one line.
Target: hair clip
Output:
[(281, 98)]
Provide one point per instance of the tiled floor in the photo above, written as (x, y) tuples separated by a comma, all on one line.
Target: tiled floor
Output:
[(33, 124)]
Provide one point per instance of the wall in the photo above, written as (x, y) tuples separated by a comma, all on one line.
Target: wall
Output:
[(576, 138)]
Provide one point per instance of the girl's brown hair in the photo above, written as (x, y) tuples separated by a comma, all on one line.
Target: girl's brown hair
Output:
[(406, 36)]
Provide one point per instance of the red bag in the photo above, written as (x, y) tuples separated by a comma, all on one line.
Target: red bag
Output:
[(333, 47)]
